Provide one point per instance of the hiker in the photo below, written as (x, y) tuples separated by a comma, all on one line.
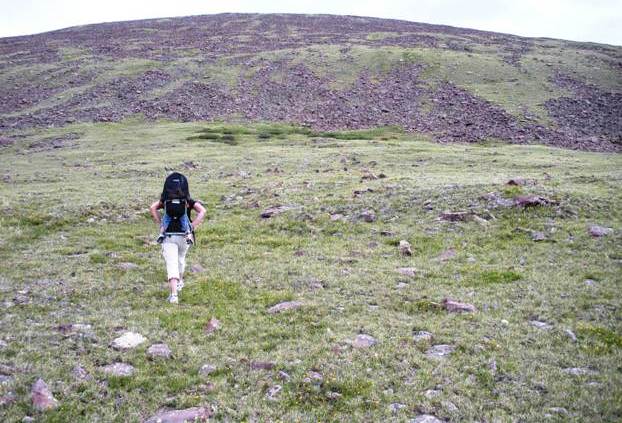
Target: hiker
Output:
[(176, 228)]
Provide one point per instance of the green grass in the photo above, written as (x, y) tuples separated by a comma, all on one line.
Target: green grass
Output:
[(62, 244)]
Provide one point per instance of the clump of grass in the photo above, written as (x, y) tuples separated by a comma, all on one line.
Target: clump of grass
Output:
[(600, 340), (492, 277)]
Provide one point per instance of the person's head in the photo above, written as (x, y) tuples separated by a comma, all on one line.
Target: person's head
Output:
[(175, 186)]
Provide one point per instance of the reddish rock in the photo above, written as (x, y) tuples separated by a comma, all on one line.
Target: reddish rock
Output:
[(212, 326), (262, 365), (42, 398), (456, 307)]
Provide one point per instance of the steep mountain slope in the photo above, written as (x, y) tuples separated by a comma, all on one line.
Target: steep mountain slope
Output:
[(326, 72)]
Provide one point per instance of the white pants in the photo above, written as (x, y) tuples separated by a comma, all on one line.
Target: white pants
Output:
[(174, 249)]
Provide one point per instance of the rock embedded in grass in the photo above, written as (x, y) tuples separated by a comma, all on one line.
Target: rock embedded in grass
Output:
[(159, 351), (273, 393), (459, 216), (364, 341), (598, 231), (274, 210), (405, 248), (368, 216), (262, 365), (42, 398), (396, 407), (439, 351), (422, 336), (540, 325), (127, 266), (284, 306), (80, 373), (425, 418), (456, 307), (193, 414), (207, 369), (197, 268), (118, 369), (447, 255), (212, 326), (128, 341), (579, 371), (407, 271), (531, 201)]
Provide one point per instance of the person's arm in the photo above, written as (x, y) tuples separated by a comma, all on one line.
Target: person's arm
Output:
[(198, 207), (154, 211)]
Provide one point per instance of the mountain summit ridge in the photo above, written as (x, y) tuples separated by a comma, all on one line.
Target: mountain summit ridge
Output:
[(323, 71)]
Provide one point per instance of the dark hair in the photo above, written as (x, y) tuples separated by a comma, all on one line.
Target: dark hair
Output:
[(175, 186)]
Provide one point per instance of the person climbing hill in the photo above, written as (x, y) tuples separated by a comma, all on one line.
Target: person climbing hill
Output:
[(176, 229)]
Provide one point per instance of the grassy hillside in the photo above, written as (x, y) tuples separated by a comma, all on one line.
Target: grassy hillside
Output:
[(74, 203), (325, 72)]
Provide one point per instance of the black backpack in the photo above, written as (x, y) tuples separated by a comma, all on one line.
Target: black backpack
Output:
[(175, 197)]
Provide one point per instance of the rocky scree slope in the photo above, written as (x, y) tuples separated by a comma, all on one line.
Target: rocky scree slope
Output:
[(325, 72)]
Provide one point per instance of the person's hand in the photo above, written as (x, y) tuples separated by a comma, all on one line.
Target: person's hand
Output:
[(160, 239), (189, 239)]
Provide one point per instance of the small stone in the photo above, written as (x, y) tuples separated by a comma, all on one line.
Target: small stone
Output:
[(28, 419), (407, 271), (590, 282), (455, 216), (531, 201), (194, 414), (425, 418), (449, 406), (262, 365), (80, 373), (284, 375), (275, 210), (127, 266), (159, 351), (274, 392), (538, 236), (118, 369), (401, 285), (287, 305), (456, 307), (558, 410), (333, 395), (5, 379), (439, 351), (396, 407), (197, 268), (42, 398), (579, 371), (540, 325), (571, 335), (337, 217), (447, 255), (431, 393), (598, 231), (8, 398), (422, 336), (363, 341), (368, 216), (404, 248), (207, 369), (517, 181), (128, 341), (212, 326), (313, 377)]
